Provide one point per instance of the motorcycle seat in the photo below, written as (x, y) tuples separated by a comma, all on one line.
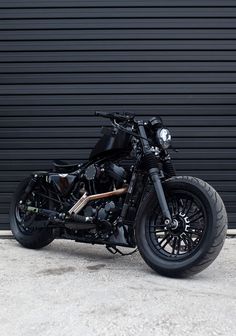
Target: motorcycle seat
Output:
[(64, 167)]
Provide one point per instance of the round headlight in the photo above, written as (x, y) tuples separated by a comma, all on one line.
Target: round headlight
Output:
[(164, 137)]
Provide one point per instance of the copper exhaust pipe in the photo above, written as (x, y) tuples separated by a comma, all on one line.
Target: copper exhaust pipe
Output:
[(85, 199)]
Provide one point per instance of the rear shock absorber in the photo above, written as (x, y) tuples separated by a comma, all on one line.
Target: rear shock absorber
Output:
[(29, 188)]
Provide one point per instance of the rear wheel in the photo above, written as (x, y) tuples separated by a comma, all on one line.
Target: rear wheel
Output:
[(22, 223), (198, 233)]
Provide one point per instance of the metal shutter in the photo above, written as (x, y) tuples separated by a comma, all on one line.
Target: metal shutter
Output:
[(61, 60)]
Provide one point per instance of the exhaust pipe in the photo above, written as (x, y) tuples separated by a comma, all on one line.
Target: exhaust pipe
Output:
[(75, 221), (60, 219), (80, 204)]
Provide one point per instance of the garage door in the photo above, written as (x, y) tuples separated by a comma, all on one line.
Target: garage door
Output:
[(62, 60)]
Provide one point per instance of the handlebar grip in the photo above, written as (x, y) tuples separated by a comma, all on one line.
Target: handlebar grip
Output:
[(102, 114)]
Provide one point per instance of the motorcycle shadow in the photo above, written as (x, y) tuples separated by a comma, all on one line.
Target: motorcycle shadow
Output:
[(93, 253)]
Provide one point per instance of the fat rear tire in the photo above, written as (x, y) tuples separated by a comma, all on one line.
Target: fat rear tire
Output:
[(34, 240), (211, 243)]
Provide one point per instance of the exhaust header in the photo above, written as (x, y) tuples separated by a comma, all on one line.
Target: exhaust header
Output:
[(80, 204)]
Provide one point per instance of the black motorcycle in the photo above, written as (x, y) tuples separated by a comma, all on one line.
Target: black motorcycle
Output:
[(126, 194)]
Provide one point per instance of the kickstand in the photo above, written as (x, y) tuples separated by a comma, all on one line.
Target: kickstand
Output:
[(115, 250)]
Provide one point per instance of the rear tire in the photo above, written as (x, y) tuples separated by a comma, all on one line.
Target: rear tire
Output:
[(33, 239), (211, 228)]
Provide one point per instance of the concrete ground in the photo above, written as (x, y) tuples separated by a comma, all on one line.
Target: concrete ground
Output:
[(74, 289)]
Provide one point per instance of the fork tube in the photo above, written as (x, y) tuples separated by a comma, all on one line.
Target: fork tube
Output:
[(151, 164)]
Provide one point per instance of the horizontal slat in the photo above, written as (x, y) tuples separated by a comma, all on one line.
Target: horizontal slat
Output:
[(112, 3), (116, 77), (226, 165), (134, 23), (85, 89), (118, 99), (8, 187), (4, 209), (106, 13), (5, 198), (140, 110), (118, 45), (4, 222), (121, 55), (118, 67), (223, 186), (220, 143), (116, 89), (69, 32), (232, 220), (13, 176), (209, 175)]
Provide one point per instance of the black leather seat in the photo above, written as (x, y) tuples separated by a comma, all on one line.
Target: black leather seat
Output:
[(64, 167)]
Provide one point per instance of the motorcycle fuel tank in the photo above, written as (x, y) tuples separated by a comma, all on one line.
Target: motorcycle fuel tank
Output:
[(112, 141)]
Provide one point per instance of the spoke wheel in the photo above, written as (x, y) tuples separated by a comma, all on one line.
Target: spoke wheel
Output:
[(197, 234), (183, 239)]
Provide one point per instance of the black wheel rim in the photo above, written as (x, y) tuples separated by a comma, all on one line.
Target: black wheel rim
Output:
[(185, 238)]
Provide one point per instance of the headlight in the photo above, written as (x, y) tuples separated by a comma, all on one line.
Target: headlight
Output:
[(164, 138)]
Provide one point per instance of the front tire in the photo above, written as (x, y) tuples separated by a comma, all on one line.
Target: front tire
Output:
[(33, 239), (201, 225)]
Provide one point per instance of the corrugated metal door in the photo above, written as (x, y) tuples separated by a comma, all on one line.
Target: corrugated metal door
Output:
[(61, 60)]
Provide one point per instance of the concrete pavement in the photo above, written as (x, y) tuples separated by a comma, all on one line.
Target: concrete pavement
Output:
[(74, 289)]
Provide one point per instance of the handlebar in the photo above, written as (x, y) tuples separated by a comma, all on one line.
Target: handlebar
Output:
[(115, 116)]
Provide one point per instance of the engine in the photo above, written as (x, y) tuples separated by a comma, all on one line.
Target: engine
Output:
[(97, 179), (101, 178)]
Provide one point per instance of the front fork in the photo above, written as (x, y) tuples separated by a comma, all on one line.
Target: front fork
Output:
[(150, 162)]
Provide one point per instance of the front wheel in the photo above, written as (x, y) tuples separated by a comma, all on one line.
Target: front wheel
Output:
[(198, 233)]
